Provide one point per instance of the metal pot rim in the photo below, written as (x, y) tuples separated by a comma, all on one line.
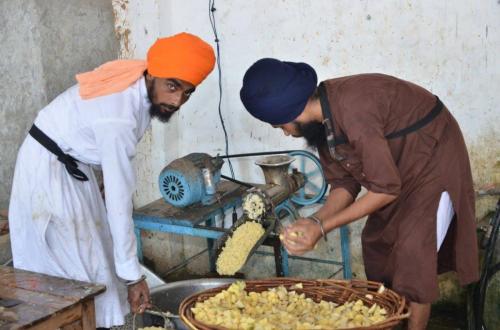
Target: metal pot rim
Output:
[(274, 161), (163, 287)]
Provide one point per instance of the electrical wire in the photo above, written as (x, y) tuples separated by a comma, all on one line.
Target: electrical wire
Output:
[(211, 14), (245, 184)]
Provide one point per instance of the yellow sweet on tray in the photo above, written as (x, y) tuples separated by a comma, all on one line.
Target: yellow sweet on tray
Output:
[(238, 246), (279, 309)]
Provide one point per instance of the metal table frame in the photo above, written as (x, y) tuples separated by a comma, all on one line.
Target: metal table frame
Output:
[(154, 217)]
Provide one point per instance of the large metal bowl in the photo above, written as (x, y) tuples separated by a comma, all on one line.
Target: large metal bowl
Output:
[(168, 297)]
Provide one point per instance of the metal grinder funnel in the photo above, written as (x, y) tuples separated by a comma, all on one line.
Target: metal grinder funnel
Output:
[(280, 183), (275, 169)]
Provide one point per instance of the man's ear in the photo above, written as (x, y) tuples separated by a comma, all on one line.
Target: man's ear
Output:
[(149, 77)]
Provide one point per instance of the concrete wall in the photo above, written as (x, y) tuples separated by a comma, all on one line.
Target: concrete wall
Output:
[(44, 44)]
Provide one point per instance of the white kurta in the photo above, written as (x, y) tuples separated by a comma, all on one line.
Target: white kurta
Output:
[(60, 226)]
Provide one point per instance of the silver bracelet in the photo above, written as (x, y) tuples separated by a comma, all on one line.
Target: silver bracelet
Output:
[(129, 283), (320, 224)]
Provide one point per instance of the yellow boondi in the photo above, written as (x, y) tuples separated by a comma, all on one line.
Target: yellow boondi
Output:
[(279, 309), (238, 246), (254, 206)]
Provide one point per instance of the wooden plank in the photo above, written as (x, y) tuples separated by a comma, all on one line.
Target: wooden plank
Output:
[(7, 315), (34, 315), (77, 325), (57, 320), (88, 315), (46, 300), (27, 314), (57, 286), (194, 214)]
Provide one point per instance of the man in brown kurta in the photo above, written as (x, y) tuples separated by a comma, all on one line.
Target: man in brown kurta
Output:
[(405, 176)]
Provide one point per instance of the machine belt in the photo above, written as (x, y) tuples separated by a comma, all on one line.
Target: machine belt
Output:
[(263, 153), (252, 154), (68, 161), (245, 184)]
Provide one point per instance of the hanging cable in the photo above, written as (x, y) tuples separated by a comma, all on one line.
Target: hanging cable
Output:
[(211, 14)]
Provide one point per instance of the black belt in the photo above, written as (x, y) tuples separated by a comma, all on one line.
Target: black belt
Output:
[(335, 140), (68, 161)]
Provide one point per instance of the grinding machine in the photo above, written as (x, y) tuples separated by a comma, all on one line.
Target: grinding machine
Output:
[(280, 185), (195, 179)]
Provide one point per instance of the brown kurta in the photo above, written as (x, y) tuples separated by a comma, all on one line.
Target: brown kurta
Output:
[(399, 240)]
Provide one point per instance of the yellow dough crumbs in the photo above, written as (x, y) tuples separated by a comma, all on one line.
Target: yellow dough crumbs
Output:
[(280, 309), (253, 206), (238, 246)]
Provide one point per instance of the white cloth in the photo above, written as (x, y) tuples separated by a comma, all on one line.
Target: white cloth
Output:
[(445, 214), (60, 226)]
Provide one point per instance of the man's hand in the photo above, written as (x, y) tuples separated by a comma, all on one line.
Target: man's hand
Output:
[(138, 297), (301, 236)]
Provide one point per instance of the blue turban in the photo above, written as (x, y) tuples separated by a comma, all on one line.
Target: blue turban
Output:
[(277, 92)]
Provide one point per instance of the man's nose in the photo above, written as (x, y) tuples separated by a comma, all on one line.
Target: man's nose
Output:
[(178, 100)]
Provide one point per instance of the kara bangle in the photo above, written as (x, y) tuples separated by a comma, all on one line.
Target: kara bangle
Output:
[(129, 283), (320, 224)]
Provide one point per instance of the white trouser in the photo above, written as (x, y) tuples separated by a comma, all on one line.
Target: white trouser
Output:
[(445, 214)]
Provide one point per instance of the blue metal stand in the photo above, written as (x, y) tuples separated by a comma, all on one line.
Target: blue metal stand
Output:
[(346, 253), (210, 246)]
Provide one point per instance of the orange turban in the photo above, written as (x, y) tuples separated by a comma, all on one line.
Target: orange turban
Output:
[(183, 56)]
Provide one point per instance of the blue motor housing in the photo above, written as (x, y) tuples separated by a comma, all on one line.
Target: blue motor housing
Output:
[(182, 182)]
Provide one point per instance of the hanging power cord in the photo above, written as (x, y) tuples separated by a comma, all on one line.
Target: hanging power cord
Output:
[(211, 15), (211, 11)]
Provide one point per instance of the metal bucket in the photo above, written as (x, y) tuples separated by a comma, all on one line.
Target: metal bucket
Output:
[(168, 297)]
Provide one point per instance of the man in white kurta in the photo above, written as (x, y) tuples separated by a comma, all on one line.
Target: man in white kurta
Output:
[(61, 226)]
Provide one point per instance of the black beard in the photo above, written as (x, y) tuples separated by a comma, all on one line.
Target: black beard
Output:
[(155, 110), (313, 132)]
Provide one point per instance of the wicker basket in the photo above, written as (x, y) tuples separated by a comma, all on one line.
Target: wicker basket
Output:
[(337, 291)]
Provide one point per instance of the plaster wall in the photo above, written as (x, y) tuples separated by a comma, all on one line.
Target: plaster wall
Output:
[(44, 44)]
